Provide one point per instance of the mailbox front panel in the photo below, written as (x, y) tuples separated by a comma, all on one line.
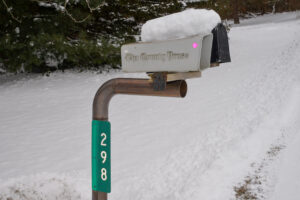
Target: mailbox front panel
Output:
[(182, 55)]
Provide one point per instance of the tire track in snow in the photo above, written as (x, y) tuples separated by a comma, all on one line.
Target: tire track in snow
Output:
[(261, 181)]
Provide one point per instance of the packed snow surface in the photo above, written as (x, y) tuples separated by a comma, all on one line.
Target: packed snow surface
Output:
[(180, 25), (199, 147)]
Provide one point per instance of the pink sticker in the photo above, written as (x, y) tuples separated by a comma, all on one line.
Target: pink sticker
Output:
[(195, 45)]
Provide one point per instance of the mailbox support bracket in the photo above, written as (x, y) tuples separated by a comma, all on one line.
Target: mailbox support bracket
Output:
[(169, 77)]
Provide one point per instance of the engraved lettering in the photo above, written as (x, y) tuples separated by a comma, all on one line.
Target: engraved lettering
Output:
[(162, 57), (131, 57)]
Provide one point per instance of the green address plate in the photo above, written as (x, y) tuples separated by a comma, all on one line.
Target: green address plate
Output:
[(101, 156)]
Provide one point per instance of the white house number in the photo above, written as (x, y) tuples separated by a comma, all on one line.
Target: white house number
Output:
[(103, 155)]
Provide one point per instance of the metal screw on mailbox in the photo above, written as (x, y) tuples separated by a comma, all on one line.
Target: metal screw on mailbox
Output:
[(170, 63)]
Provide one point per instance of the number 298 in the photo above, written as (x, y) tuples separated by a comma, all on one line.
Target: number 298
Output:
[(103, 155)]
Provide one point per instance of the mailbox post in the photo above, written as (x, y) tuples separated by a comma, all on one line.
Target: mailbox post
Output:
[(168, 63), (101, 156)]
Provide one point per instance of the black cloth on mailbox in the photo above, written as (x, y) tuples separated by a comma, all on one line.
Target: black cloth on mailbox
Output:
[(220, 48)]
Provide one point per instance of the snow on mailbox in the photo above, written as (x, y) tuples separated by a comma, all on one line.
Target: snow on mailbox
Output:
[(180, 42)]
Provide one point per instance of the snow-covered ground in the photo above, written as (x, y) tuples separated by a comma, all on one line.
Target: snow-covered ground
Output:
[(237, 132)]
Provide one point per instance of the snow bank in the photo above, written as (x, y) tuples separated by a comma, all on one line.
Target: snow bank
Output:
[(179, 25)]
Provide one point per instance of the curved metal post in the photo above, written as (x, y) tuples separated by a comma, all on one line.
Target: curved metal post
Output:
[(131, 87)]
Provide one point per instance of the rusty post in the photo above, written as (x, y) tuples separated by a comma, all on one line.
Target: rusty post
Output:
[(130, 87)]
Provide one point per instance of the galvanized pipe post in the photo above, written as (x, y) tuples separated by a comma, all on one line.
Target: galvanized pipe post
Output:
[(130, 87)]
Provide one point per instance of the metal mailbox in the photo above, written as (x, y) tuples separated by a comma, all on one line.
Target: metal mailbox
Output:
[(190, 54)]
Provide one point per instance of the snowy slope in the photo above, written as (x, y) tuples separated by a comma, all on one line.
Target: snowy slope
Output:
[(199, 147)]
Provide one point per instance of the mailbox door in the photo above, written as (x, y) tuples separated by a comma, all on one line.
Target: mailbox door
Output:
[(206, 52)]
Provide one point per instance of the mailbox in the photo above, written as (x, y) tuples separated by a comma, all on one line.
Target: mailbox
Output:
[(191, 54)]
